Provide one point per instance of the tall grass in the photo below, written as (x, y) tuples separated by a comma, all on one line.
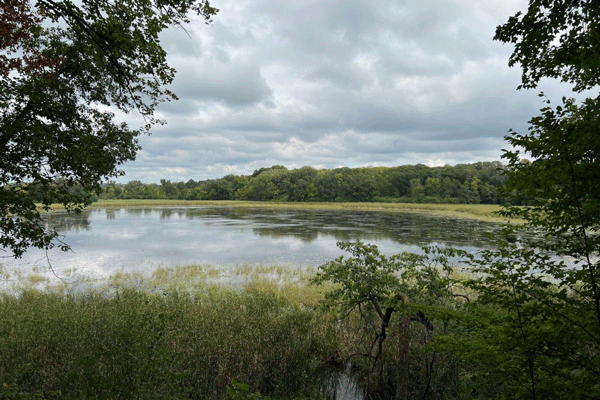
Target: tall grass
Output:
[(189, 332), (174, 344)]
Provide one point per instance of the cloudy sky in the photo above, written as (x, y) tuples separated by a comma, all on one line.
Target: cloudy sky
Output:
[(334, 83)]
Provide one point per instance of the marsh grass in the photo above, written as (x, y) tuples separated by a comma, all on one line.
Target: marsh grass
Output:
[(169, 344), (181, 332), (189, 332)]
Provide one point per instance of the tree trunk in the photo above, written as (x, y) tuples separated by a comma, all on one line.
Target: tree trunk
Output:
[(403, 358)]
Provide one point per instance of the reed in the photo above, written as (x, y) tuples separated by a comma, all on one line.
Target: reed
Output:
[(189, 332), (170, 344)]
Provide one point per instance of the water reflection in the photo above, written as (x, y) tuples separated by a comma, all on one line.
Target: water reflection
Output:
[(105, 241), (110, 213), (309, 225), (63, 222), (415, 229)]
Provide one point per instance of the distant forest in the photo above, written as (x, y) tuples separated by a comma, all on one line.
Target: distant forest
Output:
[(476, 183)]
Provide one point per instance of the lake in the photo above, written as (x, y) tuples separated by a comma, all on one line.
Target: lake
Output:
[(106, 241)]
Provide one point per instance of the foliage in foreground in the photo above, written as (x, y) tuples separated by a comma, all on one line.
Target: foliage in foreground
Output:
[(542, 337), (531, 326), (164, 345), (515, 324), (395, 355), (547, 337)]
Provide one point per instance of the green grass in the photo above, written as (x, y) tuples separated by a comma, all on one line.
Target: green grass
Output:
[(290, 283), (168, 345), (180, 332), (187, 333)]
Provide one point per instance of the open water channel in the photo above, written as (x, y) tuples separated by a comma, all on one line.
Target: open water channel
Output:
[(106, 241)]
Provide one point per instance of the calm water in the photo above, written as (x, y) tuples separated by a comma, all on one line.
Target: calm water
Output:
[(106, 241)]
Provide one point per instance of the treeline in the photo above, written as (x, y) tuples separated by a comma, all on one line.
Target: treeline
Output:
[(463, 183)]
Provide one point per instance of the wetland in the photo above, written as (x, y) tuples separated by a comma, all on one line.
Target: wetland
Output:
[(110, 240)]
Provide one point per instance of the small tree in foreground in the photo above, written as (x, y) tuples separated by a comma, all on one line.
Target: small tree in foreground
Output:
[(533, 329), (369, 288), (535, 326), (551, 306), (535, 323)]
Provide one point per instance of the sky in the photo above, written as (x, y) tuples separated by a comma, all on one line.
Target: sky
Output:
[(336, 83)]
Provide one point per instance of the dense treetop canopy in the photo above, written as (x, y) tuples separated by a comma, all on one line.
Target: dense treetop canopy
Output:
[(462, 183)]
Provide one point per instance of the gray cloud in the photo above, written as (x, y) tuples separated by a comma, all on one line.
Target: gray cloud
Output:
[(233, 83), (336, 83)]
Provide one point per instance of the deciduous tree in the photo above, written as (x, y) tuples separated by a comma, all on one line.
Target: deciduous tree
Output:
[(542, 324), (63, 67), (375, 288), (556, 39)]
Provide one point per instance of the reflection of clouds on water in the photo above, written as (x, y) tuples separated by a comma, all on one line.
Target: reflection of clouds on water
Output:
[(141, 239), (125, 235), (294, 245)]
